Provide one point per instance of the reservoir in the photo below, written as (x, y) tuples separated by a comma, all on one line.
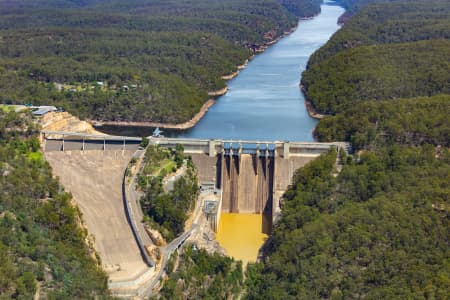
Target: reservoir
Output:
[(264, 101)]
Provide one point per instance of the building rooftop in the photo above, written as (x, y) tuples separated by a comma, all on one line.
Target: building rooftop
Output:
[(42, 110)]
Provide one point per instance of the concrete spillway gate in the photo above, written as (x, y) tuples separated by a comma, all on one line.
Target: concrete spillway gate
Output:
[(247, 173)]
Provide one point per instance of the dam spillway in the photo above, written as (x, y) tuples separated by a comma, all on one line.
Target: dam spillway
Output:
[(247, 184), (254, 174), (250, 176)]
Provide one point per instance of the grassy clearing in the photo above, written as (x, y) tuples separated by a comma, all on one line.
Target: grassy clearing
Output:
[(35, 156), (7, 108)]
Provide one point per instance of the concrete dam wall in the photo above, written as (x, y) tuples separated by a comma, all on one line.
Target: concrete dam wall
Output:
[(247, 183), (249, 176)]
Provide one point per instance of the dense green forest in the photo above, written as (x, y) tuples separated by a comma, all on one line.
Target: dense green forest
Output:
[(399, 22), (140, 60), (386, 51), (42, 245), (379, 72), (414, 122), (167, 209), (380, 230), (203, 276)]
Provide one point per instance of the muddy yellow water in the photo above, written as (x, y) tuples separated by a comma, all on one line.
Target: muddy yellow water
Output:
[(241, 235)]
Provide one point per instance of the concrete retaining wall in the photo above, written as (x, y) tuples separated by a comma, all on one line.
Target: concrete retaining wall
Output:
[(131, 222)]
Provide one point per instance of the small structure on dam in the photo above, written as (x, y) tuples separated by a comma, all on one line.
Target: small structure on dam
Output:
[(252, 175), (212, 212)]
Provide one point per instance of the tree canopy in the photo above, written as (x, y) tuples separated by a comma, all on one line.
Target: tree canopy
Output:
[(42, 245), (385, 51)]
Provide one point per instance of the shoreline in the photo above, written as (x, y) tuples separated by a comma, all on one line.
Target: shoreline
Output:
[(218, 93), (309, 108), (312, 112), (180, 126), (210, 102)]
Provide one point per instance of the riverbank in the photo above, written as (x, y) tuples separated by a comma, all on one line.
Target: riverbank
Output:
[(182, 126), (312, 112), (309, 108)]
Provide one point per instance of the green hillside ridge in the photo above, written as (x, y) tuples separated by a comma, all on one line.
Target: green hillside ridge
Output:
[(414, 121), (387, 50), (378, 72), (404, 21)]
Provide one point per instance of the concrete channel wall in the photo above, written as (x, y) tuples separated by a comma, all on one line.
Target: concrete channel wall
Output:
[(131, 221)]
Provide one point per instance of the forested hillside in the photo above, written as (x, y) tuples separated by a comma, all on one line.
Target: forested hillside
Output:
[(203, 276), (414, 121), (386, 51), (379, 228), (398, 22), (140, 60), (43, 247), (378, 72)]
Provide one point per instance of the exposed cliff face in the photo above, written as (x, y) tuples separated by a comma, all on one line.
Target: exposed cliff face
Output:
[(64, 121)]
